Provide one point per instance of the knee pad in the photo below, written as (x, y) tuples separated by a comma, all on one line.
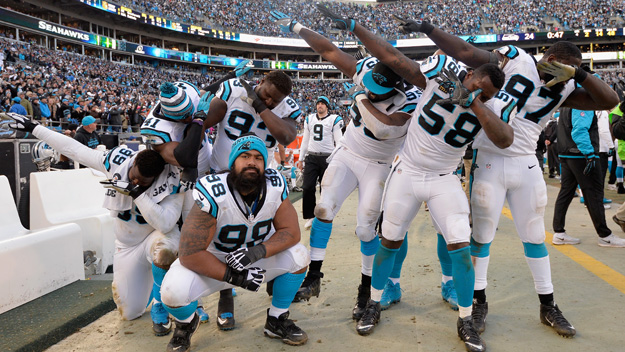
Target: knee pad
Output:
[(480, 195), (366, 233), (162, 253), (300, 256), (458, 228), (325, 212)]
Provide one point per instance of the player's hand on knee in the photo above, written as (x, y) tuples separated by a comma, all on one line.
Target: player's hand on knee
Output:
[(249, 279), (242, 258)]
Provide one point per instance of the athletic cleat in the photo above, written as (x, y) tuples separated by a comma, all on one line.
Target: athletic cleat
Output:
[(284, 328), (308, 224), (469, 335), (479, 312), (607, 201), (181, 341), (161, 324), (269, 287), (619, 222), (611, 241), (369, 319), (448, 291), (310, 287), (364, 293), (552, 316), (391, 294), (563, 238), (225, 311), (202, 314)]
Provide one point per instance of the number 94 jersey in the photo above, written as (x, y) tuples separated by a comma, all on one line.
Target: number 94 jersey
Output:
[(238, 225), (241, 118), (437, 140)]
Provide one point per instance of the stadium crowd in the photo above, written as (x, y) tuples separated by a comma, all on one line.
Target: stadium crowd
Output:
[(72, 86), (457, 17)]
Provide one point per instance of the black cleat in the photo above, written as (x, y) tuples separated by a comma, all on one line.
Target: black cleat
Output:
[(469, 335), (225, 310), (369, 319), (479, 312), (310, 287), (181, 341), (364, 293), (285, 329), (552, 316)]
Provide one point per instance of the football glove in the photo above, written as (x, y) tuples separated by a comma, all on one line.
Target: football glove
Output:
[(561, 72), (459, 94), (337, 21), (353, 89), (242, 258), (123, 187), (205, 102), (242, 68), (283, 20), (251, 98), (411, 26), (590, 164), (20, 122), (188, 177), (249, 279)]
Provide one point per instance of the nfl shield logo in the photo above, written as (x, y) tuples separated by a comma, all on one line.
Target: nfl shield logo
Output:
[(488, 166)]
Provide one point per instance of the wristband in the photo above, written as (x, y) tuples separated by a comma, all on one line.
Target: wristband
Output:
[(580, 75), (297, 27), (426, 27)]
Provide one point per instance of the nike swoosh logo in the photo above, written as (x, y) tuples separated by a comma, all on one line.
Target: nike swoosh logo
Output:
[(178, 348), (529, 167), (480, 347), (221, 320)]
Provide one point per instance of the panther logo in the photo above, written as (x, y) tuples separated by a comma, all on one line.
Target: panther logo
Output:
[(379, 78), (246, 146)]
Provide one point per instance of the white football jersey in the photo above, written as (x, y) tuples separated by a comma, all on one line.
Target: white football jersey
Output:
[(535, 103), (322, 133), (237, 225), (437, 140), (241, 118), (358, 138)]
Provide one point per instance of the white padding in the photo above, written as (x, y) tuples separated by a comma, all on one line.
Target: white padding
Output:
[(74, 196), (34, 262)]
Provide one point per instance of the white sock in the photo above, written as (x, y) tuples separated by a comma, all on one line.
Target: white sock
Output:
[(276, 312), (464, 312), (376, 295), (367, 264), (446, 279), (481, 272), (541, 271), (317, 253), (188, 320), (394, 280)]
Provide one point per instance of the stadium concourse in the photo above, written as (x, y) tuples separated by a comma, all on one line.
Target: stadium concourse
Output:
[(590, 281)]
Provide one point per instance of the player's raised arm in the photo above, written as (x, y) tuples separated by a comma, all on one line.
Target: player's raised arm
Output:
[(379, 48), (320, 44), (449, 43)]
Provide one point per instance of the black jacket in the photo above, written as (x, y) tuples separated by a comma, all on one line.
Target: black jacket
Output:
[(571, 140), (91, 140)]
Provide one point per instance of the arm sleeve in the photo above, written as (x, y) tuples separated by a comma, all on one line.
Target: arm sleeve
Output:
[(213, 88), (581, 121), (305, 138), (337, 129), (72, 149), (162, 216), (186, 152)]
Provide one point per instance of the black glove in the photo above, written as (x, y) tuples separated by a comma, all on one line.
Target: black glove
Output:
[(459, 94), (590, 164), (188, 177), (244, 257), (125, 188), (611, 152), (249, 279), (252, 99), (411, 26), (22, 123), (337, 21)]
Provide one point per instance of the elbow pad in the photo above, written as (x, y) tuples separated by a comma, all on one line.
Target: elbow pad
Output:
[(379, 129)]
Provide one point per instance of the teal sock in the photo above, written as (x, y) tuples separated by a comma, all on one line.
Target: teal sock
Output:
[(320, 233), (182, 313), (382, 266), (464, 275), (399, 259), (443, 256), (285, 287), (158, 274)]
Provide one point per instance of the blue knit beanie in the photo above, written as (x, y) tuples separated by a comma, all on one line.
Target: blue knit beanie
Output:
[(244, 144)]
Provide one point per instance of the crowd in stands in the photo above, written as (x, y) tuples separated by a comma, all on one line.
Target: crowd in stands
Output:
[(60, 88), (457, 17)]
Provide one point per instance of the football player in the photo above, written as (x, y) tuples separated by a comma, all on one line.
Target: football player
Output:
[(242, 230)]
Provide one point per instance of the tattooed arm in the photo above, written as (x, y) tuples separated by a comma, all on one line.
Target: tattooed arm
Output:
[(391, 57), (197, 233), (287, 230)]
